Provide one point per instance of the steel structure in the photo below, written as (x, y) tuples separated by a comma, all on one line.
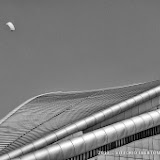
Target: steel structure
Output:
[(76, 125)]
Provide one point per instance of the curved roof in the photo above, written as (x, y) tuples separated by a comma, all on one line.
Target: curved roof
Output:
[(46, 114), (95, 139)]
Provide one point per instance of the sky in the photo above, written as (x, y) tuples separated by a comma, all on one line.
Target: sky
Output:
[(74, 45)]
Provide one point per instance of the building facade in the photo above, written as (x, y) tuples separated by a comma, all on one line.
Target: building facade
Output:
[(107, 124)]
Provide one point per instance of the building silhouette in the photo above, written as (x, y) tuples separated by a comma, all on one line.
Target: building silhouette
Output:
[(108, 124)]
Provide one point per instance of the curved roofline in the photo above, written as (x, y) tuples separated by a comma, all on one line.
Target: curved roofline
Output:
[(67, 92), (94, 139), (88, 121)]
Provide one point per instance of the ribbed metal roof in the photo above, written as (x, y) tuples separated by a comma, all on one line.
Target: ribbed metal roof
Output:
[(95, 139), (45, 114)]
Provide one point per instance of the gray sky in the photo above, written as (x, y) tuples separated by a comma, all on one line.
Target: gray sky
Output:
[(76, 45)]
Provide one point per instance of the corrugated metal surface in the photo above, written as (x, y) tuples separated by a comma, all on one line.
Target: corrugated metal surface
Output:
[(41, 117)]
